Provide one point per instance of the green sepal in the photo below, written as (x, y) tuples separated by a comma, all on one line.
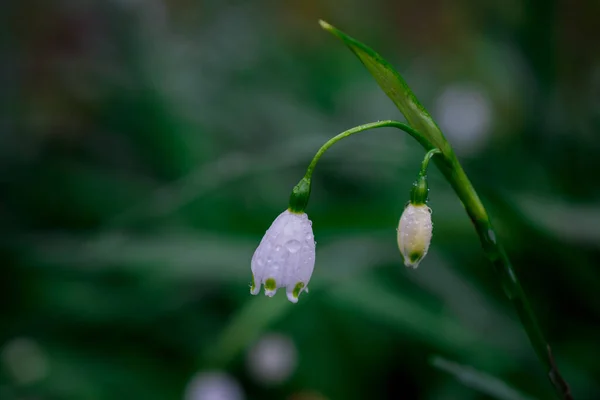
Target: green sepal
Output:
[(419, 191), (299, 197)]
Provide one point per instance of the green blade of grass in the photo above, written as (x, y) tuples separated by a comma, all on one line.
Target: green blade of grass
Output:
[(477, 380)]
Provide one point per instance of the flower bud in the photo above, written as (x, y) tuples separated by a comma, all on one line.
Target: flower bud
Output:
[(414, 233), (300, 195), (285, 257)]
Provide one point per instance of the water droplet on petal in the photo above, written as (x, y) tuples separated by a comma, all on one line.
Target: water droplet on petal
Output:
[(293, 245), (288, 229)]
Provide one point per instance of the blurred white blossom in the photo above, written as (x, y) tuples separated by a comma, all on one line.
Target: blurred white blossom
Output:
[(213, 385), (25, 361), (272, 359), (464, 113)]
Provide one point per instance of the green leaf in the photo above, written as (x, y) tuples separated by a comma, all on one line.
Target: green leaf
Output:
[(396, 88), (479, 381)]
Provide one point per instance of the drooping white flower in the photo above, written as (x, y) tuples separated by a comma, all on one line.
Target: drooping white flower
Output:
[(414, 233), (285, 257)]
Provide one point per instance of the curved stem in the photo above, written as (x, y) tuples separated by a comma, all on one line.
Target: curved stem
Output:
[(426, 160), (454, 173), (494, 251), (301, 192), (379, 124), (395, 87), (420, 189)]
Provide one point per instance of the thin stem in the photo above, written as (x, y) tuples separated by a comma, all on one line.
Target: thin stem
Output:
[(420, 188), (454, 173), (398, 91), (301, 192), (379, 124), (495, 252), (426, 160)]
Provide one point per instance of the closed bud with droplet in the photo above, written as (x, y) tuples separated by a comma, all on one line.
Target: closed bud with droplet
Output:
[(415, 227), (285, 257), (414, 233)]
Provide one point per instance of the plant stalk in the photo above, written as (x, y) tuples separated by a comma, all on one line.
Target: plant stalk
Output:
[(357, 129), (495, 252), (450, 167), (394, 86)]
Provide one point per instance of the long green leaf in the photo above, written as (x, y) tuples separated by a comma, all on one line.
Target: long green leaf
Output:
[(395, 87)]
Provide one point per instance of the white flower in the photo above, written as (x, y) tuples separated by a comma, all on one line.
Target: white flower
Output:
[(414, 233), (285, 257)]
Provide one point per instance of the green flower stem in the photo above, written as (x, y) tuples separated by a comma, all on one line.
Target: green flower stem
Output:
[(394, 86), (426, 160), (379, 124), (454, 173), (301, 192), (510, 283), (420, 189)]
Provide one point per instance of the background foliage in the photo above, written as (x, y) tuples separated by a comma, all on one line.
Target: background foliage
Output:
[(145, 147)]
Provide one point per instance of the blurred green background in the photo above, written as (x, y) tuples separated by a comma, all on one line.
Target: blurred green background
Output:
[(145, 147)]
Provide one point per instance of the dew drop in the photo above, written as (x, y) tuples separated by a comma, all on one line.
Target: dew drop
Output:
[(288, 229), (293, 245)]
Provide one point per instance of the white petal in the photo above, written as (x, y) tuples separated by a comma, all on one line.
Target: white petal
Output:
[(255, 287), (290, 294), (293, 292)]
